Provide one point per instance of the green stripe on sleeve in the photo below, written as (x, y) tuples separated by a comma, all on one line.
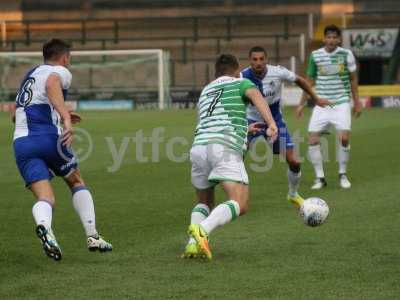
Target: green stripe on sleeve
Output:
[(245, 84), (312, 67)]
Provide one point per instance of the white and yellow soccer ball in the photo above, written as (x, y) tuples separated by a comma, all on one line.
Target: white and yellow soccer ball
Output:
[(314, 211)]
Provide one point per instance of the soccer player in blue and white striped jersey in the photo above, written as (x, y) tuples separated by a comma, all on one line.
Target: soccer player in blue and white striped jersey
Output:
[(269, 79), (42, 139)]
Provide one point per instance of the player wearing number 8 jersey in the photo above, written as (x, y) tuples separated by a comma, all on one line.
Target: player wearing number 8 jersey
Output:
[(217, 151), (42, 139)]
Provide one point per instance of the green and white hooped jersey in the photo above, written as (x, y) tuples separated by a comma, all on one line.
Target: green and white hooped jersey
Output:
[(222, 113), (331, 72)]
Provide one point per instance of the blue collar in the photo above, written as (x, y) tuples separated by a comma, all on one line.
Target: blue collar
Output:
[(249, 74)]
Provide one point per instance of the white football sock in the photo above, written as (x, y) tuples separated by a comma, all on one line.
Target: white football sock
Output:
[(343, 158), (221, 215), (294, 181), (42, 213), (315, 156), (83, 204), (199, 213)]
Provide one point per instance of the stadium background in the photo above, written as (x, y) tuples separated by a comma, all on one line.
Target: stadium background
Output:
[(193, 32), (143, 207)]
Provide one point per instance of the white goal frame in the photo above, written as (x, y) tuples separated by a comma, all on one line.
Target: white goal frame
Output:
[(162, 103)]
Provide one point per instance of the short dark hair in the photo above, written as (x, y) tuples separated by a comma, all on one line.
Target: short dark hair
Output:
[(226, 64), (332, 28), (257, 49), (54, 48)]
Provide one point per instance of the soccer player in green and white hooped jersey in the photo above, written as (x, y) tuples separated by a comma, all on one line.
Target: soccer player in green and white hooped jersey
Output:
[(333, 69), (217, 151)]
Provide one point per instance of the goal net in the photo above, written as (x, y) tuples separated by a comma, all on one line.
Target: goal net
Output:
[(140, 77)]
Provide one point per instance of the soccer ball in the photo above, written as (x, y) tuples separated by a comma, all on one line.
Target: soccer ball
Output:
[(314, 211)]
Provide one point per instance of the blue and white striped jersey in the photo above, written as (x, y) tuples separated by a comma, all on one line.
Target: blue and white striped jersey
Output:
[(35, 115), (270, 87)]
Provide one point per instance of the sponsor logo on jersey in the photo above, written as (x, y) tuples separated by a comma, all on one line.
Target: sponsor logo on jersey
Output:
[(329, 69)]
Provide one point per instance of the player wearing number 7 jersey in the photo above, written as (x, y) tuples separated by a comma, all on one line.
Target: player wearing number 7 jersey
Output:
[(42, 139), (217, 151)]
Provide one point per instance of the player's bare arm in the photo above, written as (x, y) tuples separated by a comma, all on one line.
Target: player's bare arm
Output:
[(354, 90), (303, 99), (56, 97), (258, 101)]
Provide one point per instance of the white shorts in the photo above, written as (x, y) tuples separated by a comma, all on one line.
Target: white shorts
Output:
[(214, 163), (338, 116)]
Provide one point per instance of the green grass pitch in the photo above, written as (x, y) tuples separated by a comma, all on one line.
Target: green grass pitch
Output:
[(143, 208)]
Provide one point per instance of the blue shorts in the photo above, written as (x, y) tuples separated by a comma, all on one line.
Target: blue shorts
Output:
[(284, 140), (39, 158)]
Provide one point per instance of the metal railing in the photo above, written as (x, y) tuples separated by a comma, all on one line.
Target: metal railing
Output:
[(216, 31), (82, 28)]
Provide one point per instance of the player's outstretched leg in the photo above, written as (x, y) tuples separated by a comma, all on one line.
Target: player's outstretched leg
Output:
[(83, 203), (199, 213), (42, 212), (343, 158), (221, 215), (294, 175)]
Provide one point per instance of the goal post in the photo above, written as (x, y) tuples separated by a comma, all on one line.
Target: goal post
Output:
[(138, 75)]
